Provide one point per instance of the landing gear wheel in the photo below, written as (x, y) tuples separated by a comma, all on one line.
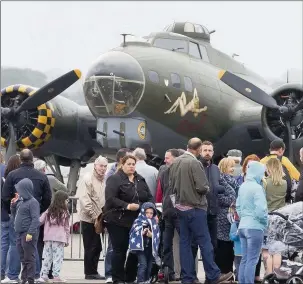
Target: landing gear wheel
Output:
[(270, 279), (295, 279), (166, 275)]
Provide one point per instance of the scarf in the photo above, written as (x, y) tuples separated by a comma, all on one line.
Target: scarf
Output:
[(136, 239)]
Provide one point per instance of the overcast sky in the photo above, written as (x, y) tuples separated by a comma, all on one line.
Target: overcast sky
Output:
[(67, 35)]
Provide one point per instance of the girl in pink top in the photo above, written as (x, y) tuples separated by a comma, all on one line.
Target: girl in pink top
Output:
[(56, 235)]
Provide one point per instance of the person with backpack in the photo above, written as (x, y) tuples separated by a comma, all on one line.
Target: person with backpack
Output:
[(277, 149)]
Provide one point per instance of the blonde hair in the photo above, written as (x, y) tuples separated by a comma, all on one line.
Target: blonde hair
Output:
[(226, 163), (275, 171)]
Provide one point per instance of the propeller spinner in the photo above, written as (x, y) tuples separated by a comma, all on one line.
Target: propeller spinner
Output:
[(41, 96)]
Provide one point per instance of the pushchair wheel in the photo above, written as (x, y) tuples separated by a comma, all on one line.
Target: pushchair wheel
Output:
[(295, 279), (154, 279), (270, 279), (166, 275)]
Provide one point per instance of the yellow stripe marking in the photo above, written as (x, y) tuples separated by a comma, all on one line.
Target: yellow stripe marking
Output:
[(2, 142), (42, 119), (26, 142), (31, 93), (53, 122), (42, 107), (22, 89), (48, 113), (221, 74), (10, 89), (47, 128), (37, 132), (47, 137), (78, 73)]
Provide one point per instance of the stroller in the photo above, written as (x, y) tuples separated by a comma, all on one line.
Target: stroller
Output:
[(286, 226)]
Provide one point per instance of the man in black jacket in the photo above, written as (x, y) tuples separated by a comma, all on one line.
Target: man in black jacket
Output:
[(42, 192), (170, 216), (213, 175), (299, 193)]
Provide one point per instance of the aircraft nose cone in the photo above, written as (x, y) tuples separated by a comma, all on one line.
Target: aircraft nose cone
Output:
[(114, 84)]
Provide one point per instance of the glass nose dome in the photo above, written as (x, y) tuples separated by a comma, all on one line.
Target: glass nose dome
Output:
[(114, 85)]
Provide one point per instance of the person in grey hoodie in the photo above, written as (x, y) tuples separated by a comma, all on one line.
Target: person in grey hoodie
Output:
[(26, 211)]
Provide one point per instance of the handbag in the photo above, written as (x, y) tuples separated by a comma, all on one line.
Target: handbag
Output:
[(99, 224)]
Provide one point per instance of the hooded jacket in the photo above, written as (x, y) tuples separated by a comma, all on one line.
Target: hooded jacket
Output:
[(26, 210), (137, 241), (251, 203)]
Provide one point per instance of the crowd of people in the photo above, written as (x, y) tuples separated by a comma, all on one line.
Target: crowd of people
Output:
[(221, 210)]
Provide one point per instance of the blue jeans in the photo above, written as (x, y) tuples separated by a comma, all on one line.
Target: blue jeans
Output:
[(145, 260), (251, 243), (13, 258), (237, 262), (4, 245), (108, 260), (193, 226)]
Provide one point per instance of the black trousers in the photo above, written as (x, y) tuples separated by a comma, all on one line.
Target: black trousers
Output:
[(224, 256), (212, 228), (119, 237), (92, 248), (258, 267), (168, 258), (27, 252)]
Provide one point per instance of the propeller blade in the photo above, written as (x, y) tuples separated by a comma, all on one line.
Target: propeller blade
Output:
[(247, 89), (11, 147), (50, 90), (290, 144), (299, 106)]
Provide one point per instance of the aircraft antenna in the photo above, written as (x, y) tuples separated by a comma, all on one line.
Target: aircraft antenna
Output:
[(287, 76), (124, 37)]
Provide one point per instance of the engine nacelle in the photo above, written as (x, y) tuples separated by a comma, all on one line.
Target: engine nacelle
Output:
[(34, 127), (273, 121)]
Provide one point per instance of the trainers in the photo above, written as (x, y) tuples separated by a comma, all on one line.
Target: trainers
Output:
[(7, 280), (109, 280), (58, 280), (41, 280), (224, 277)]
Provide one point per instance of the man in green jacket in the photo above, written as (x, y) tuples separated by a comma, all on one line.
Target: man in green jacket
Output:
[(190, 185)]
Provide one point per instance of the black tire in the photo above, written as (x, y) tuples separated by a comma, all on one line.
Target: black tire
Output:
[(295, 279), (269, 279), (166, 275)]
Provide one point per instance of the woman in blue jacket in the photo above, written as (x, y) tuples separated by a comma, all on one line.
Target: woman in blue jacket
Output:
[(252, 209)]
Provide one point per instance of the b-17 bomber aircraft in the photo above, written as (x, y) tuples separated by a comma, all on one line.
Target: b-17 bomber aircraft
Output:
[(174, 85), (154, 93)]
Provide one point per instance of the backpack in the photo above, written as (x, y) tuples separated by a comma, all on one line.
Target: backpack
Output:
[(288, 180)]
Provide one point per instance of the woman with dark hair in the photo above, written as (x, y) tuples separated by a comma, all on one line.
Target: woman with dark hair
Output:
[(125, 192), (7, 230)]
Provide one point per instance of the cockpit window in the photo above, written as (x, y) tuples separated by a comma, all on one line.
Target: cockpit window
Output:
[(199, 29), (194, 50), (175, 80), (189, 28), (171, 44)]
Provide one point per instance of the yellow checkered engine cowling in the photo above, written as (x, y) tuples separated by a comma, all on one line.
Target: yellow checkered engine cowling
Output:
[(45, 121)]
